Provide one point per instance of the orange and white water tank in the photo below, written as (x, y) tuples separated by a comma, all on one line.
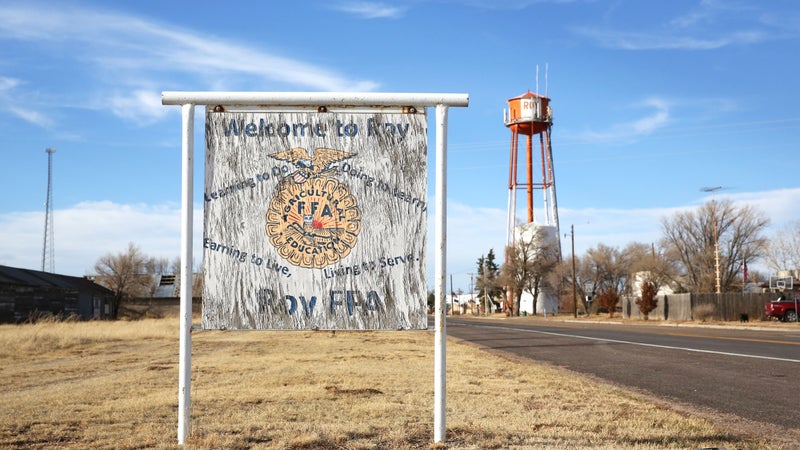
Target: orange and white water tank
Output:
[(528, 114)]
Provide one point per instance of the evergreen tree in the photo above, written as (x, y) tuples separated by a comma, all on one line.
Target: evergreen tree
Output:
[(488, 280)]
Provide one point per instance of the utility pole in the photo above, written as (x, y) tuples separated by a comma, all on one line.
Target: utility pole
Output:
[(574, 287), (472, 291), (716, 245), (487, 307), (471, 284), (452, 297), (716, 239), (48, 253)]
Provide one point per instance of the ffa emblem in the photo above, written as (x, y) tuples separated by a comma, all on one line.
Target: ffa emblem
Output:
[(313, 220)]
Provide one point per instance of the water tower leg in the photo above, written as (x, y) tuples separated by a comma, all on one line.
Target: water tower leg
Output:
[(529, 155)]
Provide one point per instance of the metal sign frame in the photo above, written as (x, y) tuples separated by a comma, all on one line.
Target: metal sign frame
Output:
[(188, 101)]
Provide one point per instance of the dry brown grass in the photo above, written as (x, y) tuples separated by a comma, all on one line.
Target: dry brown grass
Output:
[(114, 385)]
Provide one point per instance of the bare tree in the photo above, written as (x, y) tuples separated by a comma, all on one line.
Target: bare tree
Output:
[(155, 266), (609, 271), (123, 274), (562, 278), (175, 267), (589, 282), (516, 272), (651, 262), (690, 238), (158, 266), (603, 268), (783, 250), (586, 284), (529, 264)]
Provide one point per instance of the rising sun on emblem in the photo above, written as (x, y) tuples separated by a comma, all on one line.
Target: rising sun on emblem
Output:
[(313, 220)]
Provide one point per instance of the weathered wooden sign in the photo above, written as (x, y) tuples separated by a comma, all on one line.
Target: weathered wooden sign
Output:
[(315, 220)]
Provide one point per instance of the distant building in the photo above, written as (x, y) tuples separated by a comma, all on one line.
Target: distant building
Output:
[(147, 287), (638, 280), (26, 293), (469, 304)]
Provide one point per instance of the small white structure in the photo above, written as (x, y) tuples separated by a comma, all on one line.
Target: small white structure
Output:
[(463, 303), (539, 236), (638, 280), (545, 305)]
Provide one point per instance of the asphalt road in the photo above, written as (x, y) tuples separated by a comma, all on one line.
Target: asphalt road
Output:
[(751, 374)]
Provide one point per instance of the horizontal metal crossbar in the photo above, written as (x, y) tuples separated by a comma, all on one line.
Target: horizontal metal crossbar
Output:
[(313, 98)]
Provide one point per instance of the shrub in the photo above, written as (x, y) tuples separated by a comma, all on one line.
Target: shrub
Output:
[(37, 316), (703, 312), (609, 299), (648, 301)]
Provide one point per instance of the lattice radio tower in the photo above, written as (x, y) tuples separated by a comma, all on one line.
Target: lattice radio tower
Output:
[(48, 253)]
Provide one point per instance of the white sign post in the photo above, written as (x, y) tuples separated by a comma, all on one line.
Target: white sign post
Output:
[(307, 218)]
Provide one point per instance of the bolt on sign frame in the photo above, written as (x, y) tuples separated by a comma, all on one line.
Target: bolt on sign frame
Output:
[(322, 102)]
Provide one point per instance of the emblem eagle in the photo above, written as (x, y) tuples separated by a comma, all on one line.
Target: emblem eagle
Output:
[(311, 165)]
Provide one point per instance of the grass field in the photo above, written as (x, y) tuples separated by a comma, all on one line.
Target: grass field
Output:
[(114, 385)]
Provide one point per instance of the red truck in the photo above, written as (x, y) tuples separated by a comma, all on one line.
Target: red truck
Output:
[(784, 309)]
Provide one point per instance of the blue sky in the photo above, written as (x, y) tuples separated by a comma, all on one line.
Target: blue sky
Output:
[(652, 101)]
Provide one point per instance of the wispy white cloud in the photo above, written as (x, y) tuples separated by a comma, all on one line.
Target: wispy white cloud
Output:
[(31, 116), (657, 118), (709, 25), (86, 231), (370, 10), (127, 55), (708, 12), (633, 40), (513, 5), (773, 203), (141, 106), (6, 84), (9, 96), (785, 23)]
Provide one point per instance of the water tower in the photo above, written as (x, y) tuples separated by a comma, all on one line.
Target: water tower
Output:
[(530, 115)]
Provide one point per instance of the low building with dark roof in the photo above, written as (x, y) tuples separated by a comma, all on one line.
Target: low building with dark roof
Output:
[(26, 294)]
